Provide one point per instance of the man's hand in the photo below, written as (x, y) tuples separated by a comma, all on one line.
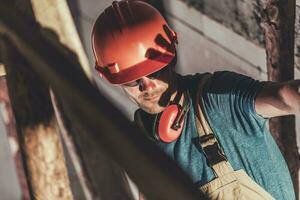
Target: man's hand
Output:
[(278, 99)]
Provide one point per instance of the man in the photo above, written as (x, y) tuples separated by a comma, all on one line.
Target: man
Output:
[(136, 49)]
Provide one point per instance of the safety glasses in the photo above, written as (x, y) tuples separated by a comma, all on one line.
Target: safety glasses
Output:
[(152, 76)]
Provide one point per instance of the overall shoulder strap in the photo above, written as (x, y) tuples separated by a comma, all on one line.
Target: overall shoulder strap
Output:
[(203, 127), (215, 157)]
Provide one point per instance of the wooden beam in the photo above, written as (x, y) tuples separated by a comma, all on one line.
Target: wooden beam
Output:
[(112, 175), (37, 128), (105, 128), (278, 24), (63, 25), (11, 130), (2, 70)]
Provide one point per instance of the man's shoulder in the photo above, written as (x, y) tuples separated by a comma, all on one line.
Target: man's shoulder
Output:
[(193, 77), (227, 80), (222, 81), (215, 74)]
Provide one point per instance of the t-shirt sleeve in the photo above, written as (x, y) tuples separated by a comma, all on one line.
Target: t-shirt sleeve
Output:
[(235, 93)]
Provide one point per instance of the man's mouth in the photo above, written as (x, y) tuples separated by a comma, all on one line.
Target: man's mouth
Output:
[(151, 98)]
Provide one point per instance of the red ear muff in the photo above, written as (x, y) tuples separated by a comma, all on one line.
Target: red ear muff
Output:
[(169, 124), (165, 129)]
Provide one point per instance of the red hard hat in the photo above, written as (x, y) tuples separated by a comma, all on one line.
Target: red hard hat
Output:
[(130, 40)]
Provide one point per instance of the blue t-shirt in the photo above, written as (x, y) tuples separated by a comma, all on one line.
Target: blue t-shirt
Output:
[(229, 105)]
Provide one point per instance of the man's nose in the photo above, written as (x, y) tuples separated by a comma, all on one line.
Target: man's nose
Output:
[(146, 84)]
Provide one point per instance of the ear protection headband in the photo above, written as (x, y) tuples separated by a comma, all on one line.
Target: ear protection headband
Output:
[(168, 125)]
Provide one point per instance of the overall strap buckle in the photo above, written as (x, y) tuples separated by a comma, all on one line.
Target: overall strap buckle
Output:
[(212, 150)]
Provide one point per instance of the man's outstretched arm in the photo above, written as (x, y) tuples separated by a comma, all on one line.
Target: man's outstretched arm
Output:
[(278, 99)]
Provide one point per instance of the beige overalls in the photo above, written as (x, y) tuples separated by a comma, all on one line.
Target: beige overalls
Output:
[(228, 184)]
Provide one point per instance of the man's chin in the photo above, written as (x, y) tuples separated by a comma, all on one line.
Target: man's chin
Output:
[(152, 110)]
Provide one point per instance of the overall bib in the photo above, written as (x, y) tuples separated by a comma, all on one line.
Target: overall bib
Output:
[(227, 184)]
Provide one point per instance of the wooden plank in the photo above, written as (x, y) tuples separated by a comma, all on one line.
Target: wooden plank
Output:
[(63, 25), (2, 70), (37, 129), (11, 130)]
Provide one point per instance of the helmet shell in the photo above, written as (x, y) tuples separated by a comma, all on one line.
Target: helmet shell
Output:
[(131, 39)]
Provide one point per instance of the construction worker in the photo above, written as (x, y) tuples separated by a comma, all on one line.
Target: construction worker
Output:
[(212, 125)]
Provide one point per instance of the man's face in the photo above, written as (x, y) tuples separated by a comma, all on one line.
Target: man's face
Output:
[(153, 94)]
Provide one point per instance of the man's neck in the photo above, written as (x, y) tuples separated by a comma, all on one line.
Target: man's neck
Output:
[(178, 90)]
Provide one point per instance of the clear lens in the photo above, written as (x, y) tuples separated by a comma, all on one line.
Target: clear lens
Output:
[(132, 84), (150, 76)]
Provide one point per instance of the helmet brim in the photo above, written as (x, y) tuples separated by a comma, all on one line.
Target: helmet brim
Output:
[(139, 70)]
